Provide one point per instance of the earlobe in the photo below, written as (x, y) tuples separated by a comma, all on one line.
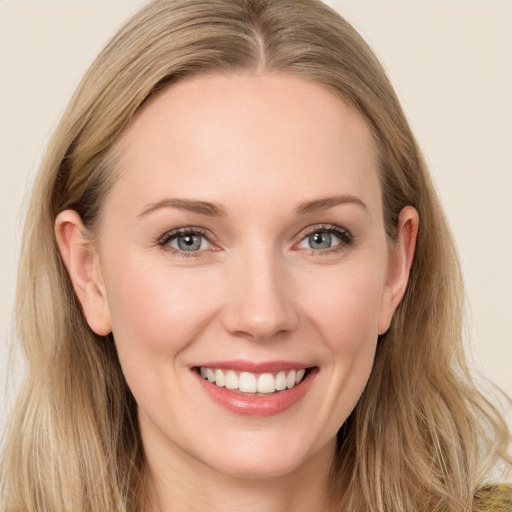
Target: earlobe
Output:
[(82, 263), (401, 256)]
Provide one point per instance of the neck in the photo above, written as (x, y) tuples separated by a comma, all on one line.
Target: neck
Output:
[(186, 484)]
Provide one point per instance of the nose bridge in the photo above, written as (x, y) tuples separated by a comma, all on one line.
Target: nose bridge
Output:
[(258, 303)]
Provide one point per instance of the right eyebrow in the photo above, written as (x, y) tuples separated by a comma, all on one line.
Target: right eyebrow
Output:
[(200, 207)]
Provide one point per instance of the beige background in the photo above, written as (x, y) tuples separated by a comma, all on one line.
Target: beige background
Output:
[(451, 63)]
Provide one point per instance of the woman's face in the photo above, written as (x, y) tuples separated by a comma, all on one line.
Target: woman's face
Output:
[(244, 242)]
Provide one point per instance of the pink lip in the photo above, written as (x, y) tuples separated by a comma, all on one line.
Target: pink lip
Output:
[(260, 405), (254, 367)]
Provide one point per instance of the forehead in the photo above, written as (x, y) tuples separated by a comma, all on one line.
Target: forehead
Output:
[(249, 137)]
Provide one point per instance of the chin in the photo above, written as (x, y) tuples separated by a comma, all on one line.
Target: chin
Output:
[(262, 468), (264, 458)]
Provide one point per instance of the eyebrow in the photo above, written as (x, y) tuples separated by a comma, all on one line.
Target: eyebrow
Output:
[(328, 202), (217, 210), (200, 207)]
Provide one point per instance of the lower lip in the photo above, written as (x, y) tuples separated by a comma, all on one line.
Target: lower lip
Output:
[(261, 405)]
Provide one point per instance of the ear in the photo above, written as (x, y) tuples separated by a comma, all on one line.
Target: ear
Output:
[(82, 263), (401, 255)]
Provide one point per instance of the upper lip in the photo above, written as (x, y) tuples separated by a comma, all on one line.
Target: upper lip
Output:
[(255, 367)]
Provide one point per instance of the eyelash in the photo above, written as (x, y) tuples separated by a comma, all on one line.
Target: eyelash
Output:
[(346, 239), (164, 240)]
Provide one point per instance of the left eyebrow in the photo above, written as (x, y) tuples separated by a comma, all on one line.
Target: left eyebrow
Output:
[(324, 203)]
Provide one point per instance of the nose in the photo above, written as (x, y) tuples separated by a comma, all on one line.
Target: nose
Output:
[(259, 293)]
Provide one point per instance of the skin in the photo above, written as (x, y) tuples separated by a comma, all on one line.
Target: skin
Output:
[(258, 146)]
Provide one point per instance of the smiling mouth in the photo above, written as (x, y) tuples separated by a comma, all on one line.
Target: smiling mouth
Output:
[(253, 383), (255, 389)]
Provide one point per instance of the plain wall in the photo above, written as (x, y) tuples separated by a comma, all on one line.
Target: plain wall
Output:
[(450, 61)]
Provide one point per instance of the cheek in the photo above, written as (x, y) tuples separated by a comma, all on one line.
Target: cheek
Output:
[(156, 316), (346, 308), (345, 316), (155, 311), (343, 320)]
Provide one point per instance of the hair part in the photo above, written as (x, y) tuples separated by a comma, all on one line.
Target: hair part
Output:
[(422, 437)]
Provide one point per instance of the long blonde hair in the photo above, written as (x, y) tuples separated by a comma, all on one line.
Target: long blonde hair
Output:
[(422, 437)]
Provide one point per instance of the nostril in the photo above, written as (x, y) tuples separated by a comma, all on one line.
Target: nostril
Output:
[(277, 322)]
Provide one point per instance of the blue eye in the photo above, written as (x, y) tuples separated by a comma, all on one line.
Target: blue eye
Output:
[(323, 238), (186, 241)]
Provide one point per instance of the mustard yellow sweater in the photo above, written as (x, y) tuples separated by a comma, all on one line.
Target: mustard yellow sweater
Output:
[(496, 498)]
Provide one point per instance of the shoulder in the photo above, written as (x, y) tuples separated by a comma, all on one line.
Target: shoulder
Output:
[(494, 498)]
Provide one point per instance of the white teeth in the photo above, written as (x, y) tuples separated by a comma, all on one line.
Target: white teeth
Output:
[(290, 379), (281, 381), (266, 383), (248, 382), (219, 378), (231, 380)]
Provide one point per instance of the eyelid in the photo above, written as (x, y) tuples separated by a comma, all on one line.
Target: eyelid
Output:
[(345, 236), (163, 240)]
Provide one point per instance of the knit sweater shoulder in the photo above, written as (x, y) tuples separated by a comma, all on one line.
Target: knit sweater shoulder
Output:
[(495, 498)]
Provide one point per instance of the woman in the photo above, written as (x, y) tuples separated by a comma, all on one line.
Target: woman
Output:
[(238, 289)]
